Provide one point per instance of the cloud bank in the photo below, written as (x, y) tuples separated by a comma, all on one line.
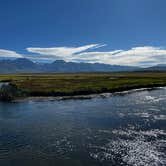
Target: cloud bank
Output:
[(9, 54), (138, 56), (64, 53)]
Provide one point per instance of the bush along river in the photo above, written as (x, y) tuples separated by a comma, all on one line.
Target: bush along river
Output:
[(9, 92), (121, 129)]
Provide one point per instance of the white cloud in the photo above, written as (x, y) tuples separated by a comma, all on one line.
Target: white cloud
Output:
[(138, 56), (62, 51), (9, 54)]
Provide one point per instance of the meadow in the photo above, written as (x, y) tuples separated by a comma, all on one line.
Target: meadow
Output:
[(82, 83)]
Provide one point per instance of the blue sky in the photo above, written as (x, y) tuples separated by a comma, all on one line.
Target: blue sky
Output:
[(126, 32)]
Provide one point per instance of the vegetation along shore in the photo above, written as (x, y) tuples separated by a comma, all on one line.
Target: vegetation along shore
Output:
[(35, 85)]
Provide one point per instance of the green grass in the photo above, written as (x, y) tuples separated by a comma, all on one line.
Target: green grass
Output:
[(85, 83)]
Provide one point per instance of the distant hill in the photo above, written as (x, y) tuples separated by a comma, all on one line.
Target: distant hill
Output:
[(160, 67), (23, 65), (20, 65)]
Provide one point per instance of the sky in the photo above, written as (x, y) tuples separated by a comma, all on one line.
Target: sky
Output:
[(122, 32)]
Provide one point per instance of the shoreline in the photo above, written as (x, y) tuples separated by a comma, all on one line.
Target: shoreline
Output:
[(83, 97), (75, 86)]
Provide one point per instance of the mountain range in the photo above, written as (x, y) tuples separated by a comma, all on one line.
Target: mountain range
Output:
[(160, 67), (22, 65)]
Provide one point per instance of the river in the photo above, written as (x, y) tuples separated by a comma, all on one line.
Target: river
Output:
[(122, 129)]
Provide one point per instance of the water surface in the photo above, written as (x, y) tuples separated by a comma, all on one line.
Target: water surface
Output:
[(127, 129)]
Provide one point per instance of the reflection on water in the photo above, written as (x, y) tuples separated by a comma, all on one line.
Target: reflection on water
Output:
[(118, 130)]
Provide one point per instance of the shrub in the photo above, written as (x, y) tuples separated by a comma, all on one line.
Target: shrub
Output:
[(9, 92)]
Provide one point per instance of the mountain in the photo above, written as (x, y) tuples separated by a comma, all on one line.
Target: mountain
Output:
[(23, 65), (159, 67), (20, 65)]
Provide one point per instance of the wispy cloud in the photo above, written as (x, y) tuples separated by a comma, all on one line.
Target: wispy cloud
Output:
[(9, 54), (62, 52), (137, 56)]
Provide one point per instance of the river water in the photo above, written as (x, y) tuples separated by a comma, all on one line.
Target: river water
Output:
[(123, 129)]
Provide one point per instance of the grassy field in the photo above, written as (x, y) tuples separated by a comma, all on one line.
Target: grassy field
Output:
[(85, 83)]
